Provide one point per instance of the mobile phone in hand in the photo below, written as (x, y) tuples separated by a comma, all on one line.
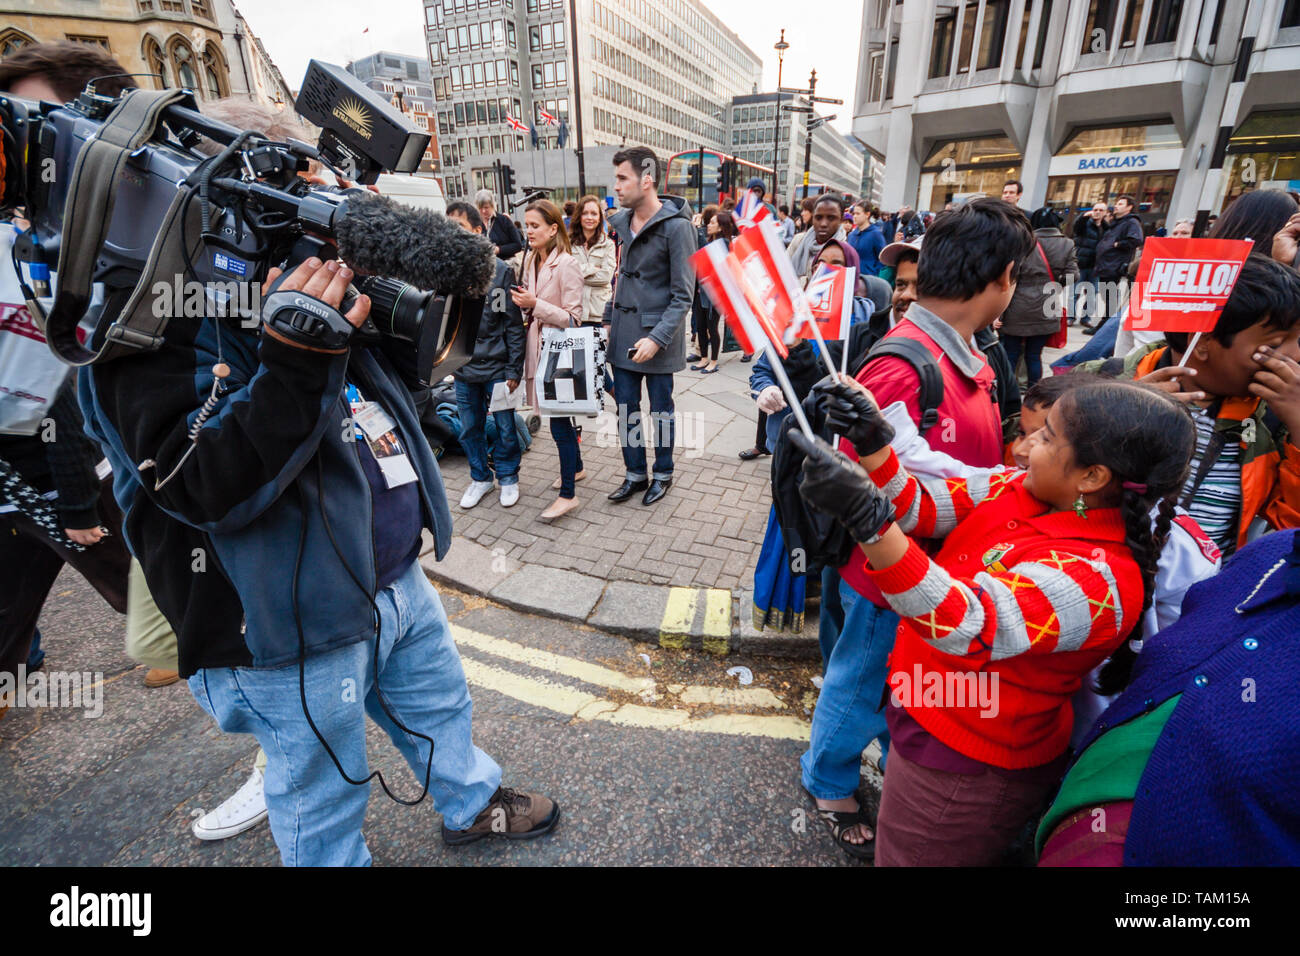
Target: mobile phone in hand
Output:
[(631, 352)]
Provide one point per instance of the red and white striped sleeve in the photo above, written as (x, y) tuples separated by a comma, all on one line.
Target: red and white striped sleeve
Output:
[(1061, 603), (932, 507)]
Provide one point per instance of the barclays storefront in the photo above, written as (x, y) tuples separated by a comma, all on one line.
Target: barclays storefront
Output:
[(1102, 164)]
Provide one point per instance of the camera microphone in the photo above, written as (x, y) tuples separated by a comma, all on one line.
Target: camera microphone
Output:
[(383, 238)]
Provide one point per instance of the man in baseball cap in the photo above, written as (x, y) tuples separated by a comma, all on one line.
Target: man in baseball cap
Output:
[(902, 257)]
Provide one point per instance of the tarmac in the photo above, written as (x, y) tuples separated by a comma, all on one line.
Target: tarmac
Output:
[(678, 573)]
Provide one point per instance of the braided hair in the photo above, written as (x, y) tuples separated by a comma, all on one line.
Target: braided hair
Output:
[(1146, 439)]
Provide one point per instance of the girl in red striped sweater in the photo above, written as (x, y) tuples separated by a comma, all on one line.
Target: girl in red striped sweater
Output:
[(1041, 575)]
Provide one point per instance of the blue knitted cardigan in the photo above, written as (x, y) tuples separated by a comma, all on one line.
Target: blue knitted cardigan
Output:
[(1222, 786)]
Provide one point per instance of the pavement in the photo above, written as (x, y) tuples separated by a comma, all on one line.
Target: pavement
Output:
[(656, 756), (678, 573)]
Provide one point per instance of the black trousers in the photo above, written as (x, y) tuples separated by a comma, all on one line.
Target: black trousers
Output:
[(30, 560), (710, 336)]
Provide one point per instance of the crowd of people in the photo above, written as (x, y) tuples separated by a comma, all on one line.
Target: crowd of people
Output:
[(1040, 602)]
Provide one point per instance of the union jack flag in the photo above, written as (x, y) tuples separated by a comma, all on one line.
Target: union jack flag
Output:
[(547, 118), (517, 125), (751, 208)]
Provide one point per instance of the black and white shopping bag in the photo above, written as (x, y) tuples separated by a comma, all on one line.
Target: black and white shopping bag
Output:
[(569, 376)]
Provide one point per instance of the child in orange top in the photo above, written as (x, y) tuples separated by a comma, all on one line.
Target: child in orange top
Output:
[(1041, 575)]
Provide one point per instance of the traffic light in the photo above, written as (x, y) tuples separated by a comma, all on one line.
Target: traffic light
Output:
[(726, 173), (507, 180), (694, 176)]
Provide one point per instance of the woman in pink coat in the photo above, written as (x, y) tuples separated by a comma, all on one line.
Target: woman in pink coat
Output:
[(551, 295)]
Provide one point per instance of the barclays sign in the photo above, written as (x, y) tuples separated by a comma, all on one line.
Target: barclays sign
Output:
[(1101, 163)]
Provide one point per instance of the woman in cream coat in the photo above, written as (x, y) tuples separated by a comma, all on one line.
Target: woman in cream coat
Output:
[(551, 295)]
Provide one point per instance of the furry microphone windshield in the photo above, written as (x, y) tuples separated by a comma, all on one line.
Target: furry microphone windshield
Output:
[(380, 237)]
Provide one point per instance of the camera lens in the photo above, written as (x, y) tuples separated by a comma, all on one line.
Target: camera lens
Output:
[(397, 309)]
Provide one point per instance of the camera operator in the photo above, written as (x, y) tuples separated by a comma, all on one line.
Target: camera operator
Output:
[(281, 542)]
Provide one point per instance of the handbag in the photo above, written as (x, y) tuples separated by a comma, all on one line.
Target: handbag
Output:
[(1058, 338), (31, 375)]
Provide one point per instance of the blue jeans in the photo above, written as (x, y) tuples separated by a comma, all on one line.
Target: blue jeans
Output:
[(1100, 346), (472, 399), (1032, 346), (848, 715), (566, 443), (315, 814), (661, 428), (830, 618)]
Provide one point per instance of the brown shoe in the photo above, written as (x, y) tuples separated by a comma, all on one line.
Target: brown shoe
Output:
[(513, 814), (157, 677)]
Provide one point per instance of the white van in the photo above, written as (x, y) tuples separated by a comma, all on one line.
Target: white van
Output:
[(414, 191)]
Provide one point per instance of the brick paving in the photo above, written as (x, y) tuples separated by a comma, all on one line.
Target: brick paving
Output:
[(706, 532)]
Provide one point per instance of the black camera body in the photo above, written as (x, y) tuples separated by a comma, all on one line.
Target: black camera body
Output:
[(257, 212)]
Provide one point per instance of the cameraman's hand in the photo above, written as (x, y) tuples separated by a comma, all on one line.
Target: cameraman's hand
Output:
[(327, 281)]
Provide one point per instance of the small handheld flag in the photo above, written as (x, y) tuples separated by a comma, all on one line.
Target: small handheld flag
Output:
[(830, 300), (1182, 285)]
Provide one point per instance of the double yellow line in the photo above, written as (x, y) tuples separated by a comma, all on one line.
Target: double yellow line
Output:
[(679, 616)]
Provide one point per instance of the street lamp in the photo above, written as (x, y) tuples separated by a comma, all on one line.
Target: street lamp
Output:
[(780, 47)]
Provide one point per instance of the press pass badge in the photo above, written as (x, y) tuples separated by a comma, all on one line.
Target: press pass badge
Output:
[(379, 432)]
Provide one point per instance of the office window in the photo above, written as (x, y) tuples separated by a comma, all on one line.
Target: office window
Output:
[(490, 73), (460, 114), (557, 32), (967, 37), (548, 71), (1290, 14), (493, 111), (452, 45), (561, 72), (514, 73), (510, 34), (462, 36), (478, 74), (1100, 26), (1132, 20), (473, 36), (945, 28), (480, 110), (1041, 42), (1163, 25), (534, 39), (537, 77), (993, 33)]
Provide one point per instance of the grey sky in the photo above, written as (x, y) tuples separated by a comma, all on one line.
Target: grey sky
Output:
[(827, 39)]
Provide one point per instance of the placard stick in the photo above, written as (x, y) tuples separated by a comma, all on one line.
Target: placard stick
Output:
[(1190, 345)]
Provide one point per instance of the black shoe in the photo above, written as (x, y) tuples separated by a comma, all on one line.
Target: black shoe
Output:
[(693, 357), (627, 489), (748, 357), (749, 454), (658, 488), (1092, 329)]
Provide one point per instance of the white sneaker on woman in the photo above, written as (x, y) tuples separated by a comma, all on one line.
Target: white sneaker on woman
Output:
[(474, 493), (509, 495), (245, 809)]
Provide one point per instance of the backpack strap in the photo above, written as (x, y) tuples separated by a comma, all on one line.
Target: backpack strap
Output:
[(87, 216), (927, 369)]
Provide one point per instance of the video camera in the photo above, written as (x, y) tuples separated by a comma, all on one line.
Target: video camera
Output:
[(119, 197)]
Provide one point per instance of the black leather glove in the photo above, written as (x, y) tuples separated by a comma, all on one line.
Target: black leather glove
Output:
[(855, 416), (834, 484)]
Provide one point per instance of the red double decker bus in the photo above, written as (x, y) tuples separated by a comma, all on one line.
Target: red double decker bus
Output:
[(705, 176)]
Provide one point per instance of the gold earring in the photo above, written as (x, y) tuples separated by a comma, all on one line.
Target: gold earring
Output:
[(1081, 507)]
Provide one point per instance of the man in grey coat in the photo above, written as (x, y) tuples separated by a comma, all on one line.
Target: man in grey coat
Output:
[(647, 316)]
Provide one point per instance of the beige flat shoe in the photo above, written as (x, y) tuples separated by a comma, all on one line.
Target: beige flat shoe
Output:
[(555, 485), (560, 507)]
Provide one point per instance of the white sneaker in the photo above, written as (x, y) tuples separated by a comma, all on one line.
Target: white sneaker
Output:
[(244, 809), (509, 495), (474, 493)]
